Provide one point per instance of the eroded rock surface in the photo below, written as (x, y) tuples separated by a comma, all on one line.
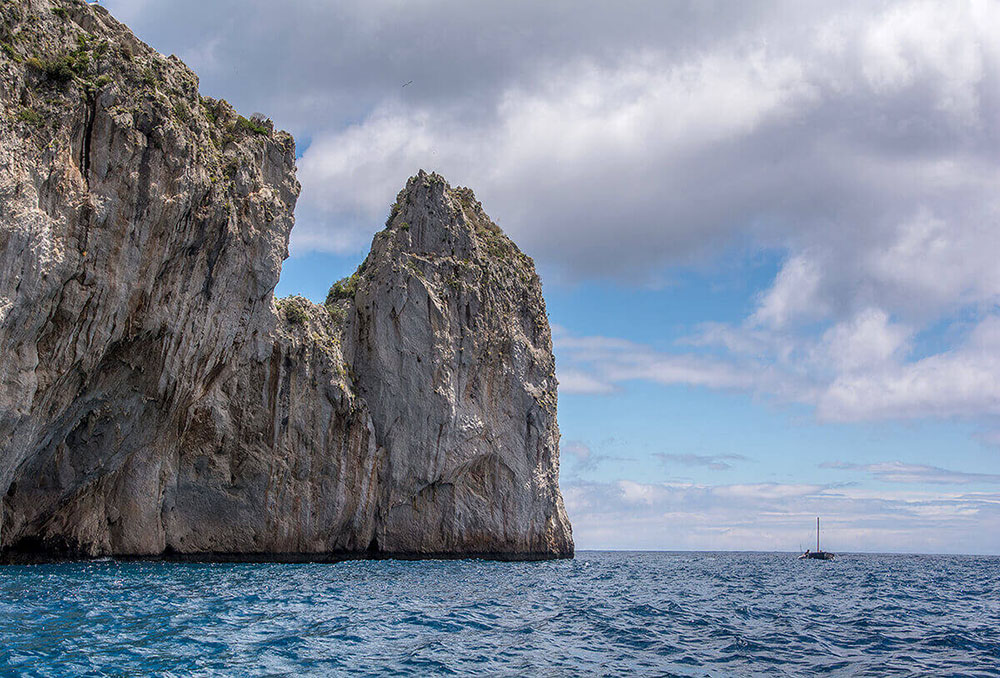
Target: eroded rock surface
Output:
[(155, 400), (450, 348)]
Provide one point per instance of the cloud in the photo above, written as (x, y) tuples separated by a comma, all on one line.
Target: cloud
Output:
[(583, 457), (575, 381), (869, 339), (600, 364), (859, 369), (771, 516), (988, 437), (793, 294), (617, 140), (716, 462), (961, 382), (577, 449), (899, 472), (614, 139)]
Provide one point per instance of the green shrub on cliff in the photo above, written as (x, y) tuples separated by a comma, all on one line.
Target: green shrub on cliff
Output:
[(59, 70), (294, 314), (394, 209), (248, 125), (30, 116), (148, 77), (343, 289), (337, 314), (79, 63)]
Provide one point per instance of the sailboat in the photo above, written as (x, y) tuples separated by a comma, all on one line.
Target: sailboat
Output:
[(817, 554)]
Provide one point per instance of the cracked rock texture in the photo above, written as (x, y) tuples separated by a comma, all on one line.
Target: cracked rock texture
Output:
[(155, 400)]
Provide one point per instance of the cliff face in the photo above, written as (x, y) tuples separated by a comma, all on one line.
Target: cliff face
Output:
[(153, 397), (451, 350)]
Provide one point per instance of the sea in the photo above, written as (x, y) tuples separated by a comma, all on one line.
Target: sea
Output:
[(599, 614)]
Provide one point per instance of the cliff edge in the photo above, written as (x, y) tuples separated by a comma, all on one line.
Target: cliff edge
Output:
[(156, 401)]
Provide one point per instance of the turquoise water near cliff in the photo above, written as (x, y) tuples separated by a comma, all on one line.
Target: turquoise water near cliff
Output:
[(603, 613)]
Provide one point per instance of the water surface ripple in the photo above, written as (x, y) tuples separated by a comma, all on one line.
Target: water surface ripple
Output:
[(604, 613)]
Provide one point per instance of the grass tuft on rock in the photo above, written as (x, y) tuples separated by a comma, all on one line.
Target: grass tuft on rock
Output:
[(30, 116), (11, 53)]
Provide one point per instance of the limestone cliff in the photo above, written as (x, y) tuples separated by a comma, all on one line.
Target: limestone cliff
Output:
[(155, 400)]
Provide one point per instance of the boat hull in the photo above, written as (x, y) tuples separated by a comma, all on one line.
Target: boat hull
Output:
[(816, 555)]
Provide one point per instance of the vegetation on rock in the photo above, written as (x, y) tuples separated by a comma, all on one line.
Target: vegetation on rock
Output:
[(30, 116), (254, 126), (345, 288), (293, 311)]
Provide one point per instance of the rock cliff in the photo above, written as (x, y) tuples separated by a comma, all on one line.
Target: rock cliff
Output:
[(155, 400)]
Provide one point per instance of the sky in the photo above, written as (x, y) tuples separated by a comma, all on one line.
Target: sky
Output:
[(767, 233)]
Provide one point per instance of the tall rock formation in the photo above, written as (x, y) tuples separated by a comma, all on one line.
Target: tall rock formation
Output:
[(156, 401)]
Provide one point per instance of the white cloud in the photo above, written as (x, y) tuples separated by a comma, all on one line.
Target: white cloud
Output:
[(857, 370), (863, 142), (836, 130), (920, 41), (555, 148), (621, 139), (793, 295), (639, 493), (716, 462), (576, 381), (936, 264), (899, 472), (601, 364), (768, 516), (865, 341), (962, 382)]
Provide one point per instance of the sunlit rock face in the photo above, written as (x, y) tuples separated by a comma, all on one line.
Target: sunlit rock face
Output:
[(155, 400), (450, 347)]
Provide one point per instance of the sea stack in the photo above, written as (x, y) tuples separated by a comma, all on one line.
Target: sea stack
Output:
[(155, 400)]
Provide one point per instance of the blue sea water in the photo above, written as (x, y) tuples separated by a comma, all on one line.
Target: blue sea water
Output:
[(603, 613)]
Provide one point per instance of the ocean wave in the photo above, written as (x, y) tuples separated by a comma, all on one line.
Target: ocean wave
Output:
[(604, 613)]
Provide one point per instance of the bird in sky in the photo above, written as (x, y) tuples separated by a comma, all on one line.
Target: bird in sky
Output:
[(407, 83)]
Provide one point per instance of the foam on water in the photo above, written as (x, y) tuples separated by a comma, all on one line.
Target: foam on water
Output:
[(684, 614)]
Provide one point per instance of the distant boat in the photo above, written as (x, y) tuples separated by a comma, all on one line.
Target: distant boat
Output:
[(817, 554)]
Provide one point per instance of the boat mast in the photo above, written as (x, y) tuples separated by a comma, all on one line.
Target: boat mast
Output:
[(817, 533)]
